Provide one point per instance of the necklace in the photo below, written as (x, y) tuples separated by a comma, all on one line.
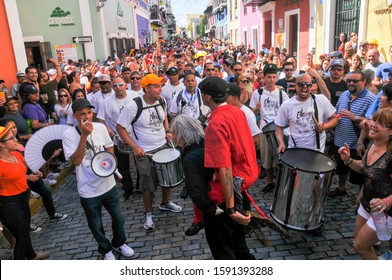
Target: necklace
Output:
[(13, 159), (374, 148)]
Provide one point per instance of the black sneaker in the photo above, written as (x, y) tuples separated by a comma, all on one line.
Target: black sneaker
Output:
[(127, 194), (194, 229), (268, 188), (184, 193), (336, 192), (316, 232), (262, 174)]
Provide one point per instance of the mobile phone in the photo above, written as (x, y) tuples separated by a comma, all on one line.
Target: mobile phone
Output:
[(2, 94), (176, 55)]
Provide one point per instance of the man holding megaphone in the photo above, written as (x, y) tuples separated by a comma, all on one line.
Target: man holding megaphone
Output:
[(95, 180)]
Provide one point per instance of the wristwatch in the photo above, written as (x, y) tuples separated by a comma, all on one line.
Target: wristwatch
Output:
[(356, 118), (230, 211)]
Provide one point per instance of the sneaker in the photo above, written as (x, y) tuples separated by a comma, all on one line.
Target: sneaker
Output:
[(387, 256), (125, 250), (33, 194), (109, 256), (170, 206), (42, 255), (148, 222), (268, 188), (35, 228), (336, 192), (127, 194), (58, 216), (50, 182), (52, 175), (194, 229), (262, 174), (316, 232), (184, 193)]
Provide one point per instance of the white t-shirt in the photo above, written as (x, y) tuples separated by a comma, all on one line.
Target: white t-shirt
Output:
[(192, 104), (270, 103), (251, 118), (99, 98), (298, 116), (149, 127), (63, 118), (112, 107), (169, 91), (140, 92), (89, 185)]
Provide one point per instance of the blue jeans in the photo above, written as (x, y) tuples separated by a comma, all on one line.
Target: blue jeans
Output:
[(15, 215), (93, 209)]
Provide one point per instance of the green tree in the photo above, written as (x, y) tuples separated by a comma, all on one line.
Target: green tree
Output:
[(203, 23)]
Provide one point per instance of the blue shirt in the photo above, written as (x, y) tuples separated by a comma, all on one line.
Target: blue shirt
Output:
[(374, 106), (380, 73), (344, 132)]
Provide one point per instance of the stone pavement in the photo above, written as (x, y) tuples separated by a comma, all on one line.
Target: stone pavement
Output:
[(71, 239)]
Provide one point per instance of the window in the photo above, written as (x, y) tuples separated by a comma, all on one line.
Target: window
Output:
[(254, 9), (245, 11)]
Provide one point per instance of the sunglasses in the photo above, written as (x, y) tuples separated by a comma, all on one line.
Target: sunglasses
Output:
[(244, 81), (118, 85), (337, 69), (135, 78), (237, 70), (5, 140), (288, 70), (307, 84), (210, 69), (172, 74), (62, 96), (353, 81)]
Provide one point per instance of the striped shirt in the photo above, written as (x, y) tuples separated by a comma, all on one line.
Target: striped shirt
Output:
[(344, 132)]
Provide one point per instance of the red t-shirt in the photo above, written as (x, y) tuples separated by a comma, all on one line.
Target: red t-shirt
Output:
[(229, 143), (13, 176)]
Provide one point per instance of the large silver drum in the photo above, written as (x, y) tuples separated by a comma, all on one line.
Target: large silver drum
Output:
[(123, 147), (301, 192), (168, 167)]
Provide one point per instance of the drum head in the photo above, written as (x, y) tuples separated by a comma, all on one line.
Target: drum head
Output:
[(308, 160), (269, 127), (166, 155)]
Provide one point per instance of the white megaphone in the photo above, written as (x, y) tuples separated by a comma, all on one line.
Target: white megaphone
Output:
[(104, 164)]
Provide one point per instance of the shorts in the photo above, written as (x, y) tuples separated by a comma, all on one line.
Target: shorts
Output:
[(148, 177), (267, 161), (355, 177), (366, 215)]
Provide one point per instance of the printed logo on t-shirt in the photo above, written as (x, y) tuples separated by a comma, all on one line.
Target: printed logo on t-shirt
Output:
[(189, 109), (155, 123), (304, 121)]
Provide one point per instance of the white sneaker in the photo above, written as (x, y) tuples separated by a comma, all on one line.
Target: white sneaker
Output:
[(109, 256), (170, 206), (50, 182), (34, 194), (148, 222), (52, 175), (125, 250)]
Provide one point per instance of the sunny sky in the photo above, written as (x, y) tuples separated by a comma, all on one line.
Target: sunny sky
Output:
[(183, 7)]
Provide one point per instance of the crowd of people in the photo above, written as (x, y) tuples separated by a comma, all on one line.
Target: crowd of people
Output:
[(213, 101)]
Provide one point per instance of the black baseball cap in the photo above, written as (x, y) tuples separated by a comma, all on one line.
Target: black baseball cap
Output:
[(81, 103), (214, 86)]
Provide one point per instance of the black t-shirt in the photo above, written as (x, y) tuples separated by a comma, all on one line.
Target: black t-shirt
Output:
[(336, 89), (284, 83)]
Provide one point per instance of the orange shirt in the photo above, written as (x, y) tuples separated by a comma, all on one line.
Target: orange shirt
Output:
[(13, 176)]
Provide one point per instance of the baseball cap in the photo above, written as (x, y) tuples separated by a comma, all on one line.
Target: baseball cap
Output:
[(233, 89), (172, 70), (363, 42), (151, 79), (228, 61), (9, 98), (374, 42), (83, 80), (214, 86), (112, 68), (337, 54), (30, 89), (81, 103), (4, 130), (104, 78), (20, 74), (337, 62), (270, 68), (52, 72)]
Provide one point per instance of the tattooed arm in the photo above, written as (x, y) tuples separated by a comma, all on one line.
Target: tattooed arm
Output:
[(226, 177)]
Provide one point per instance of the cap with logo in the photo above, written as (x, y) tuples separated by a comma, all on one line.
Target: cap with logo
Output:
[(270, 69)]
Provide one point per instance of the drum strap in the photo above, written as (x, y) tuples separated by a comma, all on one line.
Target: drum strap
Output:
[(316, 116), (260, 90)]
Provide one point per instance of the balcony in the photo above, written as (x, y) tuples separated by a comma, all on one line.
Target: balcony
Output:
[(218, 6), (255, 2), (156, 17)]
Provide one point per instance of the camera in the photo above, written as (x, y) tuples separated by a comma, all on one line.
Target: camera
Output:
[(176, 55)]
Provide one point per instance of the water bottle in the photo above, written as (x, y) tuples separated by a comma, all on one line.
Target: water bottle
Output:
[(380, 220)]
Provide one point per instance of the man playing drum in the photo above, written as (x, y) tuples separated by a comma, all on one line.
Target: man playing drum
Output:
[(148, 135), (109, 114)]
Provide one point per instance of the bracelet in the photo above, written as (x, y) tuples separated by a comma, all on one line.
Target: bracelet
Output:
[(349, 162), (230, 211), (167, 131)]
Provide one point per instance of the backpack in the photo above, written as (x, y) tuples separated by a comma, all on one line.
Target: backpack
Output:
[(140, 108), (260, 90)]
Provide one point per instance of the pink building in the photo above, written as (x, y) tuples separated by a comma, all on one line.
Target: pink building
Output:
[(250, 27)]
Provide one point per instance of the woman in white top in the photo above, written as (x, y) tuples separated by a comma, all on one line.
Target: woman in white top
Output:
[(63, 107)]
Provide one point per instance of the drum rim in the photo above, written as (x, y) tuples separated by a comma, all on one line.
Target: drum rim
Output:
[(307, 171), (177, 158), (116, 164), (268, 131)]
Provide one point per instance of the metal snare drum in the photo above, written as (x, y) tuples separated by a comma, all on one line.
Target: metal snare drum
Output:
[(123, 147), (269, 132), (303, 180), (168, 167)]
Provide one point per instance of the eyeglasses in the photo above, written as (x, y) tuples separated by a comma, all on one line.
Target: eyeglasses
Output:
[(135, 78), (12, 138), (244, 81), (374, 123), (62, 96), (288, 70), (337, 69), (172, 74), (353, 81), (118, 85), (307, 84), (237, 70), (210, 69)]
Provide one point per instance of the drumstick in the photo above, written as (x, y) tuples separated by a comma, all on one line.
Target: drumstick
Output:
[(118, 174), (314, 119), (150, 155), (311, 111)]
